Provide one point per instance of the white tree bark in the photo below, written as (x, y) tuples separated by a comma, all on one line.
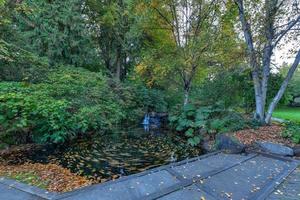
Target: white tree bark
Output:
[(261, 72), (259, 111), (282, 89), (186, 98)]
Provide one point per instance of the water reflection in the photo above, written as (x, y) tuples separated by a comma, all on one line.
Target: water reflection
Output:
[(110, 156)]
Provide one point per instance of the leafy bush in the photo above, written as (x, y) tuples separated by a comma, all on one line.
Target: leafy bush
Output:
[(292, 130), (23, 112), (70, 102), (194, 122)]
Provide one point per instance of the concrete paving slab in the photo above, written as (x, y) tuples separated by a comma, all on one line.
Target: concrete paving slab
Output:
[(129, 189), (189, 193), (9, 193), (289, 189), (202, 166), (27, 188), (245, 180)]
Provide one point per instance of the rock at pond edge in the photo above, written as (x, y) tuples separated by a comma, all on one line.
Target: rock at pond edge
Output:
[(275, 148), (296, 150), (229, 144)]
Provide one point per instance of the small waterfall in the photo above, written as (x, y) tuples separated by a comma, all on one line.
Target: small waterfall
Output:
[(146, 120)]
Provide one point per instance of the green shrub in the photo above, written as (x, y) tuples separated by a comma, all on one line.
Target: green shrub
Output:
[(292, 130), (193, 121), (70, 102), (29, 115)]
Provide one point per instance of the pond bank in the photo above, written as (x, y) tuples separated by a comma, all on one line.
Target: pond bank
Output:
[(109, 157), (51, 177), (101, 158), (248, 176)]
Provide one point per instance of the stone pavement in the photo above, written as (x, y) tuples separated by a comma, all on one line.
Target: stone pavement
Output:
[(211, 177)]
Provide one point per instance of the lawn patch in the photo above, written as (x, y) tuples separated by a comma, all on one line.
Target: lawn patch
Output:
[(288, 113)]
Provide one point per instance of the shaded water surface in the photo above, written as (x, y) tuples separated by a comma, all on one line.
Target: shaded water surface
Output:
[(110, 156)]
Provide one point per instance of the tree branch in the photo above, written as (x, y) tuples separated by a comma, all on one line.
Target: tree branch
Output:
[(282, 33), (247, 34)]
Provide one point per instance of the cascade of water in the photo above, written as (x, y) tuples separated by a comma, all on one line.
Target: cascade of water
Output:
[(146, 119), (146, 122)]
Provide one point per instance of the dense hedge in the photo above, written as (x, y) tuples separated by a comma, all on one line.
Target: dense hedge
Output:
[(70, 102)]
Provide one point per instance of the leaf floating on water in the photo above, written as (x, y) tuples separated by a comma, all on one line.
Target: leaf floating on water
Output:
[(104, 157)]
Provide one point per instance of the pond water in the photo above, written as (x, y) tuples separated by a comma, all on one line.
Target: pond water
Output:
[(118, 154)]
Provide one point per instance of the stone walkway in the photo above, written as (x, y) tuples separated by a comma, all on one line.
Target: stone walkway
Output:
[(211, 177)]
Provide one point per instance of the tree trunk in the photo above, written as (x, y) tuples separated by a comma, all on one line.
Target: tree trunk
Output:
[(266, 73), (186, 97), (186, 89), (271, 8), (282, 89), (118, 64), (259, 105), (259, 112)]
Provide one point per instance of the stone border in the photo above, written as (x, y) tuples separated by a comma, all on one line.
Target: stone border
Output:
[(187, 182), (28, 188), (183, 183), (151, 171)]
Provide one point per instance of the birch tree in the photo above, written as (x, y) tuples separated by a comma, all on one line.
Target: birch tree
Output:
[(266, 25), (192, 25)]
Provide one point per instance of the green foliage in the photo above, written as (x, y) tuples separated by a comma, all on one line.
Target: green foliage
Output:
[(70, 102), (238, 86), (194, 122), (293, 89), (275, 82), (2, 2), (235, 82), (114, 27), (150, 99), (56, 30), (24, 110), (43, 102), (18, 64), (292, 130)]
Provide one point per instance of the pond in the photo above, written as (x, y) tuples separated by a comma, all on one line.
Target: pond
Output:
[(111, 156)]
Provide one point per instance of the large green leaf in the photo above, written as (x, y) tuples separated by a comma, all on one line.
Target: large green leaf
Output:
[(194, 141), (189, 132)]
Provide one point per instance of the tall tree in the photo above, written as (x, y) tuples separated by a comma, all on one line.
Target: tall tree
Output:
[(56, 30), (113, 25), (265, 25), (187, 31)]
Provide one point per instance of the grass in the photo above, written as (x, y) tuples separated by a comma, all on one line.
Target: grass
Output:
[(288, 113), (29, 178)]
